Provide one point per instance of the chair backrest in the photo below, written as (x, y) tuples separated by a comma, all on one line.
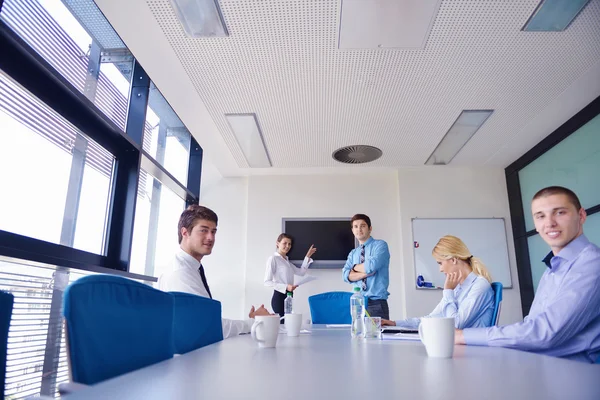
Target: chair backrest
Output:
[(6, 306), (196, 322), (497, 287), (330, 308), (115, 325)]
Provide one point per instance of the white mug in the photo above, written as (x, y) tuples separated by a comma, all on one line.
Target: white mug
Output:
[(265, 330), (293, 323), (437, 334)]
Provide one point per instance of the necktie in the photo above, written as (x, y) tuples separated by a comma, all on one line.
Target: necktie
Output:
[(362, 260), (201, 269)]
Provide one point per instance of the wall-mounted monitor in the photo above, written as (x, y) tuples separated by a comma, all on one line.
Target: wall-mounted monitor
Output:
[(332, 237)]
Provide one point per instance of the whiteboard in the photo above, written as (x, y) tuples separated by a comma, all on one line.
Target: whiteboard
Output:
[(485, 238)]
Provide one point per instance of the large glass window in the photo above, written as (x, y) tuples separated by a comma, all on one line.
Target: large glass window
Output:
[(74, 37), (55, 181), (155, 231), (166, 139)]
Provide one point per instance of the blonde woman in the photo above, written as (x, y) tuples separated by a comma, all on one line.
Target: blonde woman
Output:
[(467, 296)]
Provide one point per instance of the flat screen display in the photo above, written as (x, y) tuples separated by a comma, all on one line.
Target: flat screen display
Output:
[(332, 238)]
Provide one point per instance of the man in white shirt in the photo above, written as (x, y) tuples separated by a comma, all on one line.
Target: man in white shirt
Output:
[(197, 229)]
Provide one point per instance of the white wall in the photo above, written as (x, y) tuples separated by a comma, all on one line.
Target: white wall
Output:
[(443, 192), (225, 267), (250, 212), (271, 198)]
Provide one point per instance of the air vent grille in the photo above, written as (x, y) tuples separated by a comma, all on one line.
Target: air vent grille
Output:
[(357, 154)]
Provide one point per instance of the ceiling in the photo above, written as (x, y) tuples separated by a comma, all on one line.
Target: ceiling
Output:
[(282, 62)]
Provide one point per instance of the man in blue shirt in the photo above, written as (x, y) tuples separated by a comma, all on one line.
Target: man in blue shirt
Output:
[(564, 320), (368, 267)]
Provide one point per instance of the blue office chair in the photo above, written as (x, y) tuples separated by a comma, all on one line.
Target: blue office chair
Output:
[(115, 325), (196, 322), (330, 308), (497, 287), (6, 306)]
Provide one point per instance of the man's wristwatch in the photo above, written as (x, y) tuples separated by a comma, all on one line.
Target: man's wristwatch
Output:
[(353, 270)]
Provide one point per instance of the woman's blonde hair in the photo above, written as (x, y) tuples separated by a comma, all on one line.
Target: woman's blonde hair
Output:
[(452, 247)]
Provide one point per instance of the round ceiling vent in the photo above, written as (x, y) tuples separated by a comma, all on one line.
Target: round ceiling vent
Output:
[(357, 154)]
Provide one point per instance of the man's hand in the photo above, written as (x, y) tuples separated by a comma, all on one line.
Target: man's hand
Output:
[(311, 251), (452, 280), (387, 322), (259, 311), (359, 268), (459, 337), (291, 288), (356, 276)]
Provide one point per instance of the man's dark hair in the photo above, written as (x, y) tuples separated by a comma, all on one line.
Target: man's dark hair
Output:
[(361, 217), (284, 236), (552, 190), (192, 214)]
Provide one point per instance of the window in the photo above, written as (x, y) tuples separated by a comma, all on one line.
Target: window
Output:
[(36, 314), (55, 180), (93, 59), (155, 232), (166, 139)]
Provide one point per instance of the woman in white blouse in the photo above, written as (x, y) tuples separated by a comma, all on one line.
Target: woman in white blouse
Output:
[(468, 296), (280, 271)]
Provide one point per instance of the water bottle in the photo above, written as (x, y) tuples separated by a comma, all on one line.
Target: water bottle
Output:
[(287, 303), (357, 310)]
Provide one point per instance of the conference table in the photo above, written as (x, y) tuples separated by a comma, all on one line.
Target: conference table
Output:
[(328, 363)]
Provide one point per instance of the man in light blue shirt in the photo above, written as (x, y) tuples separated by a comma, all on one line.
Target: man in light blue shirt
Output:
[(564, 320), (368, 267)]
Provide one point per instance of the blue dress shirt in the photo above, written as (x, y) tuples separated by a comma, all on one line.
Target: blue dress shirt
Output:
[(471, 304), (377, 262), (564, 320)]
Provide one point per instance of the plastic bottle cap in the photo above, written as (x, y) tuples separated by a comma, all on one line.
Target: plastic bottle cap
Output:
[(357, 289)]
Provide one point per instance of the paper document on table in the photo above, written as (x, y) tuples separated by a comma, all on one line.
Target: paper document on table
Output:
[(401, 336), (305, 279), (338, 325)]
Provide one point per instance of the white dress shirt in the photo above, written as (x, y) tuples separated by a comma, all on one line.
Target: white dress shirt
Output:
[(183, 275), (280, 272)]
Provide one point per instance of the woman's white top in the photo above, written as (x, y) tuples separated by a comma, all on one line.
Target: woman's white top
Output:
[(280, 272)]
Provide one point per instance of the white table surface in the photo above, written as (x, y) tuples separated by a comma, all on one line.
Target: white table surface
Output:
[(329, 364)]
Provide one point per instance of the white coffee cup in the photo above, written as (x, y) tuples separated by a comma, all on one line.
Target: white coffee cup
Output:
[(293, 323), (265, 330), (437, 334)]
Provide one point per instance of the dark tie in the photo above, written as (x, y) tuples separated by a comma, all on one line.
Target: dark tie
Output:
[(362, 260), (201, 269)]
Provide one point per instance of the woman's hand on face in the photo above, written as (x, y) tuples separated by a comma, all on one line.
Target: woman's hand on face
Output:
[(311, 251), (452, 280), (387, 322)]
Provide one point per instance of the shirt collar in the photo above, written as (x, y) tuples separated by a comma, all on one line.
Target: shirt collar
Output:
[(468, 280), (369, 240), (569, 252), (279, 255), (188, 258)]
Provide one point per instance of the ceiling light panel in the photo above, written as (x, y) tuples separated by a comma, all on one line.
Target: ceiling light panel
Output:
[(465, 126), (249, 137)]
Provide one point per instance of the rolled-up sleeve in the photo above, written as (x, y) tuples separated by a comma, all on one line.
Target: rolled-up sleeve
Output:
[(348, 266), (379, 258)]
